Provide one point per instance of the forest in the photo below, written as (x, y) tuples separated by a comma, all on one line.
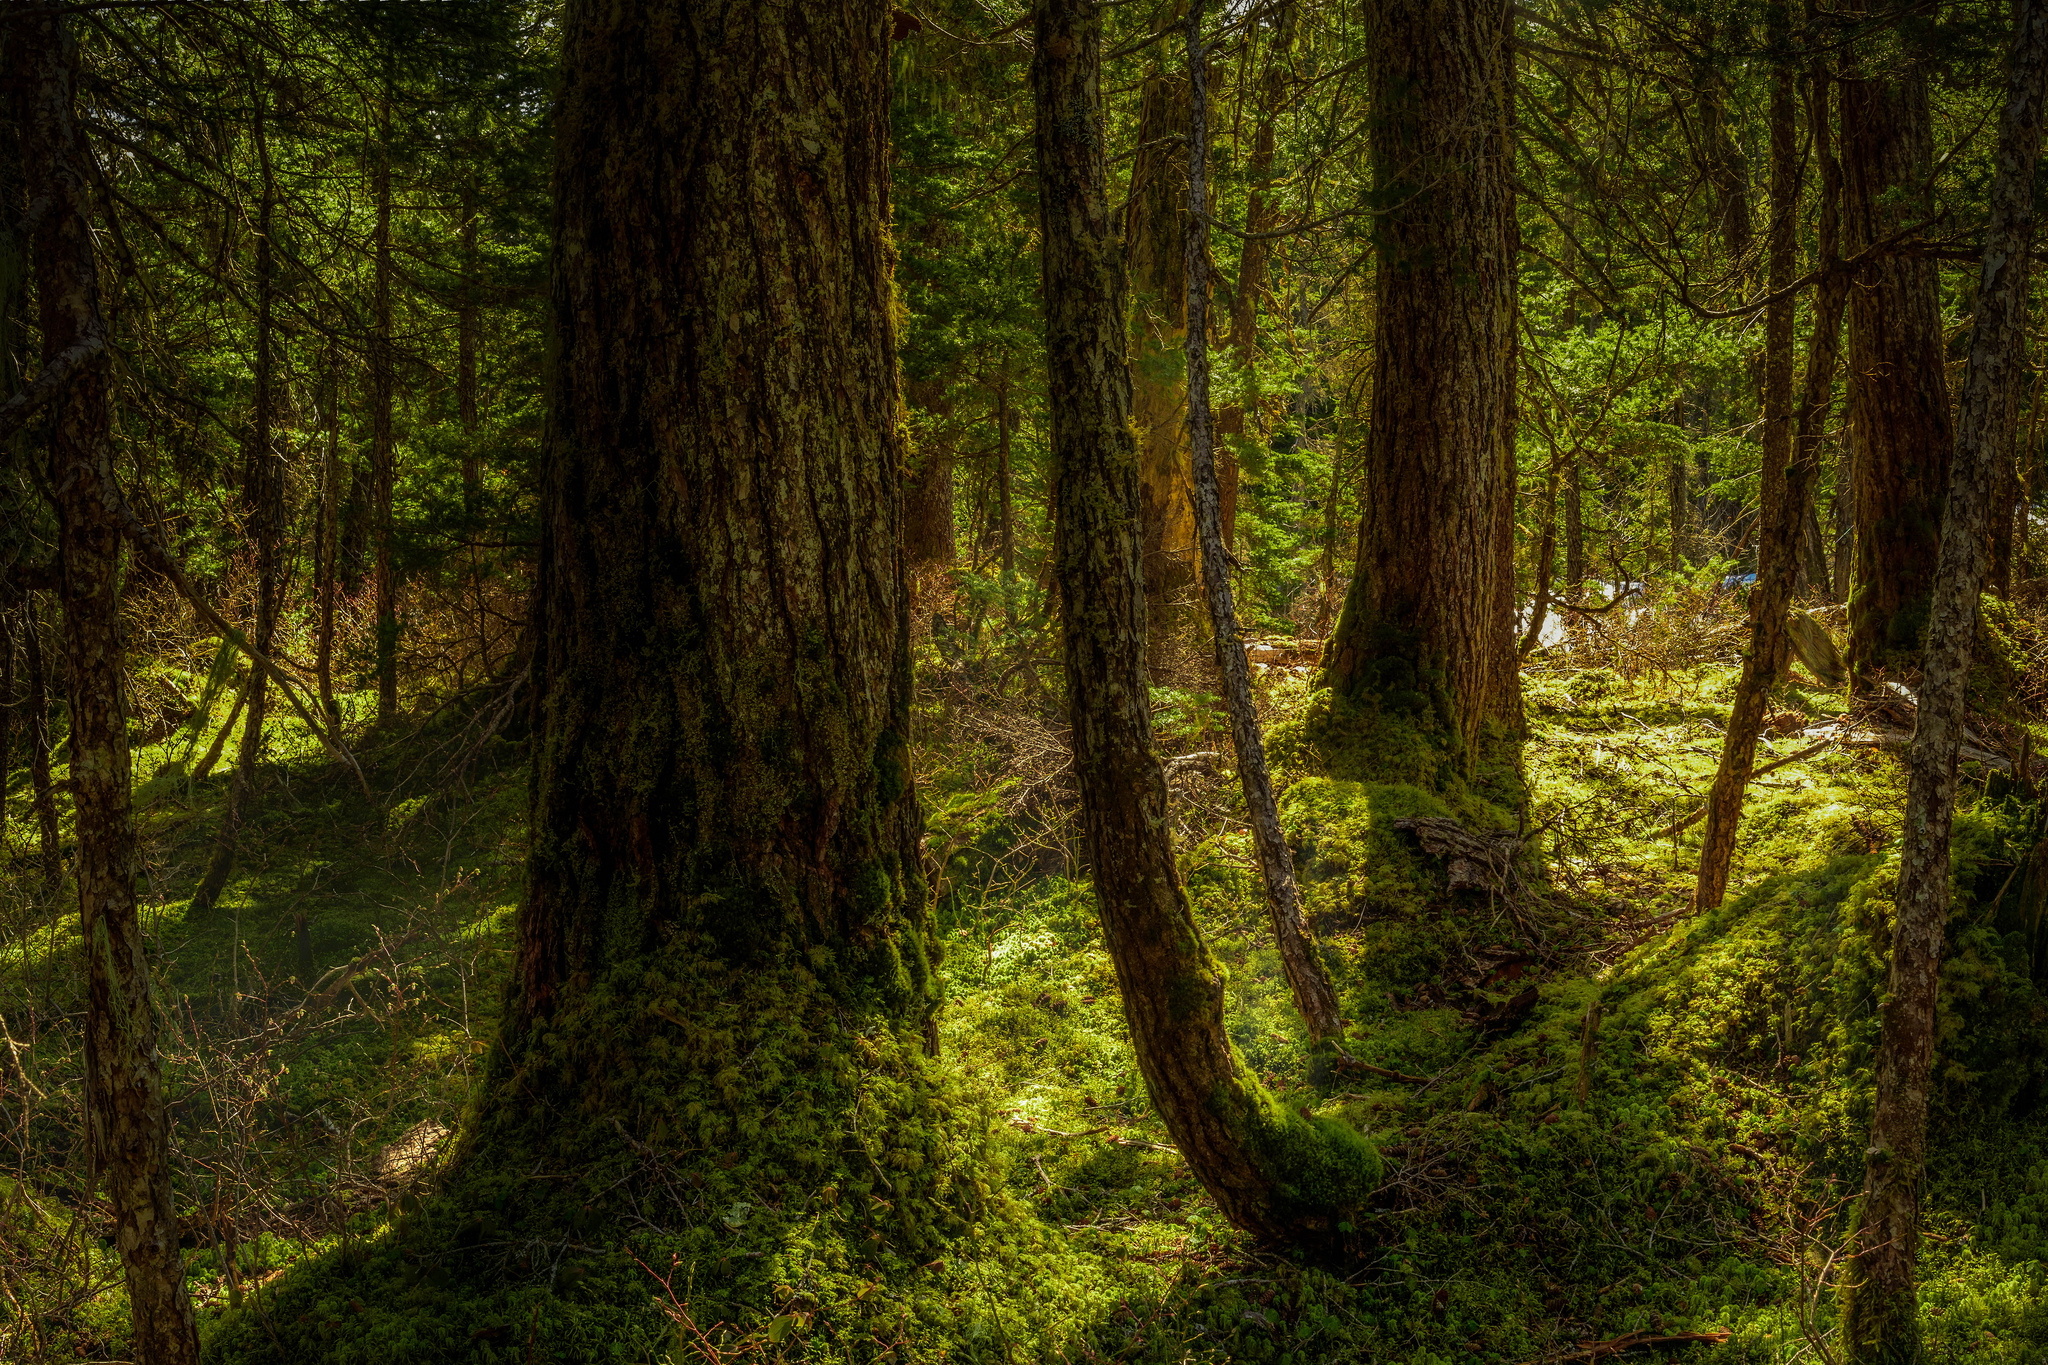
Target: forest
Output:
[(1009, 681)]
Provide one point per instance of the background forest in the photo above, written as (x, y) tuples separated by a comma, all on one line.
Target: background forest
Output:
[(1100, 682)]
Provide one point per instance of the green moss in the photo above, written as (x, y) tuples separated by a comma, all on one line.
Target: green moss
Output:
[(731, 1136)]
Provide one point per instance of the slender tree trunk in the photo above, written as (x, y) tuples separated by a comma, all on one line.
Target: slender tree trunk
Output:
[(1898, 386), (383, 452), (130, 1133), (1313, 994), (327, 546), (468, 350), (1428, 624), (1880, 1320), (49, 841), (262, 518), (1546, 562), (1172, 989), (928, 536), (1262, 212), (9, 704), (1574, 530), (1787, 484), (1153, 233), (1006, 515)]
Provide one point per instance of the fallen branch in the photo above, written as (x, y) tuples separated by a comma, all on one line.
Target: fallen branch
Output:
[(1689, 821), (1353, 1064)]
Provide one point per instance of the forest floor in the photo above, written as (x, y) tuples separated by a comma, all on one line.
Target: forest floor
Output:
[(1606, 1124)]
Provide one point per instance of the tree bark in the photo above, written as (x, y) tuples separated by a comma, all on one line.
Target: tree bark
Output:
[(130, 1132), (1880, 1318), (262, 521), (1898, 385), (43, 792), (928, 539), (327, 543), (1172, 989), (1153, 232), (1313, 994), (1262, 212), (1787, 478), (1428, 623), (724, 651), (383, 450)]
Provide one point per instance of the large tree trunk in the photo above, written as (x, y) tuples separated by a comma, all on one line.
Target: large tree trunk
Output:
[(262, 521), (1881, 1321), (1788, 471), (129, 1130), (1152, 230), (1428, 622), (1221, 1121), (724, 652), (1898, 386)]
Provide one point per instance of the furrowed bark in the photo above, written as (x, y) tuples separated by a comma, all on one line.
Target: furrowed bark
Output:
[(129, 1130), (1898, 385), (1428, 624), (1313, 994), (1880, 1317)]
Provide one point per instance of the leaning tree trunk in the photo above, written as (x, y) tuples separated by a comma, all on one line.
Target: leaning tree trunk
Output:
[(129, 1130), (1787, 485), (1880, 1319), (383, 439), (1224, 1126), (1313, 994), (1428, 623), (1898, 387), (262, 521)]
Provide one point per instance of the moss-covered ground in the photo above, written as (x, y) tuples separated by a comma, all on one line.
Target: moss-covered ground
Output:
[(1661, 1139)]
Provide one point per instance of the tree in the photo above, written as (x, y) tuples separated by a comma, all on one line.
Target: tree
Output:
[(1790, 457), (1313, 994), (1427, 625), (1254, 1158), (129, 1130), (1898, 379), (1881, 1320)]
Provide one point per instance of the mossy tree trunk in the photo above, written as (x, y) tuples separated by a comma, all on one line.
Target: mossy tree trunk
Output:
[(723, 653), (1881, 1320), (1898, 384), (128, 1127), (1428, 623), (1225, 1127)]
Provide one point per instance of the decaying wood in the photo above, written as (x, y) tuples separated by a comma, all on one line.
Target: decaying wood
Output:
[(1474, 860)]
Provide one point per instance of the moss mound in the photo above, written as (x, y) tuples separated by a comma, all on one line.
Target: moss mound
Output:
[(689, 1148)]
